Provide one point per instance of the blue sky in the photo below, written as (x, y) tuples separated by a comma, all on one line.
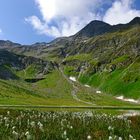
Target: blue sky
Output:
[(30, 21)]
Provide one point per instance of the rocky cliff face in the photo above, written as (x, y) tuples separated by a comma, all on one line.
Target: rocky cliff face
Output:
[(10, 63), (111, 51)]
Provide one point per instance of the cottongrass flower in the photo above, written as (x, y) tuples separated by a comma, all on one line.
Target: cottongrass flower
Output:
[(120, 138), (40, 126), (28, 136), (110, 138), (89, 114), (15, 134), (110, 128), (6, 120), (88, 137), (131, 137), (32, 124), (26, 133), (7, 125), (28, 122), (64, 135), (65, 132), (13, 128), (8, 112)]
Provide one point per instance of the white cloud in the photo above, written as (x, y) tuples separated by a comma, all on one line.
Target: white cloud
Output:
[(42, 27), (64, 17), (53, 8), (121, 12)]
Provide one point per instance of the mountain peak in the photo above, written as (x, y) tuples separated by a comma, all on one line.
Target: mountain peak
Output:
[(136, 20), (94, 28), (97, 22), (7, 43)]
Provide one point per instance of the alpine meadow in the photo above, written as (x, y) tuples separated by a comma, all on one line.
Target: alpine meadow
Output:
[(79, 80)]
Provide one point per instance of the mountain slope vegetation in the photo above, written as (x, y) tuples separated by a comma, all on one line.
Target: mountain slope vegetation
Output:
[(100, 56), (112, 64)]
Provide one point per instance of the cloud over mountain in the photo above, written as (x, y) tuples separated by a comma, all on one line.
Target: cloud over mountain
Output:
[(121, 11), (65, 18)]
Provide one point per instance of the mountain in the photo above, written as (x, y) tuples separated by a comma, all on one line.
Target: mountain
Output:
[(105, 57), (94, 28), (65, 46), (11, 64), (135, 21), (8, 44), (109, 61)]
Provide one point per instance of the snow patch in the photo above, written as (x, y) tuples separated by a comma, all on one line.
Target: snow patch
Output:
[(120, 97), (98, 91), (87, 86), (127, 100), (72, 79)]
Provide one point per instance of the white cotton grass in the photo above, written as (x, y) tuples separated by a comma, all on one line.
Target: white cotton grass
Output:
[(120, 138), (40, 126), (110, 128), (32, 124), (15, 134), (65, 132), (13, 128), (88, 137), (131, 137), (28, 136), (8, 112), (27, 125), (64, 135), (110, 138)]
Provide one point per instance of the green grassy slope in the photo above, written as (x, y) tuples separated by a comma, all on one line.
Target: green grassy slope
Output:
[(113, 84), (109, 62), (123, 81), (53, 90)]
